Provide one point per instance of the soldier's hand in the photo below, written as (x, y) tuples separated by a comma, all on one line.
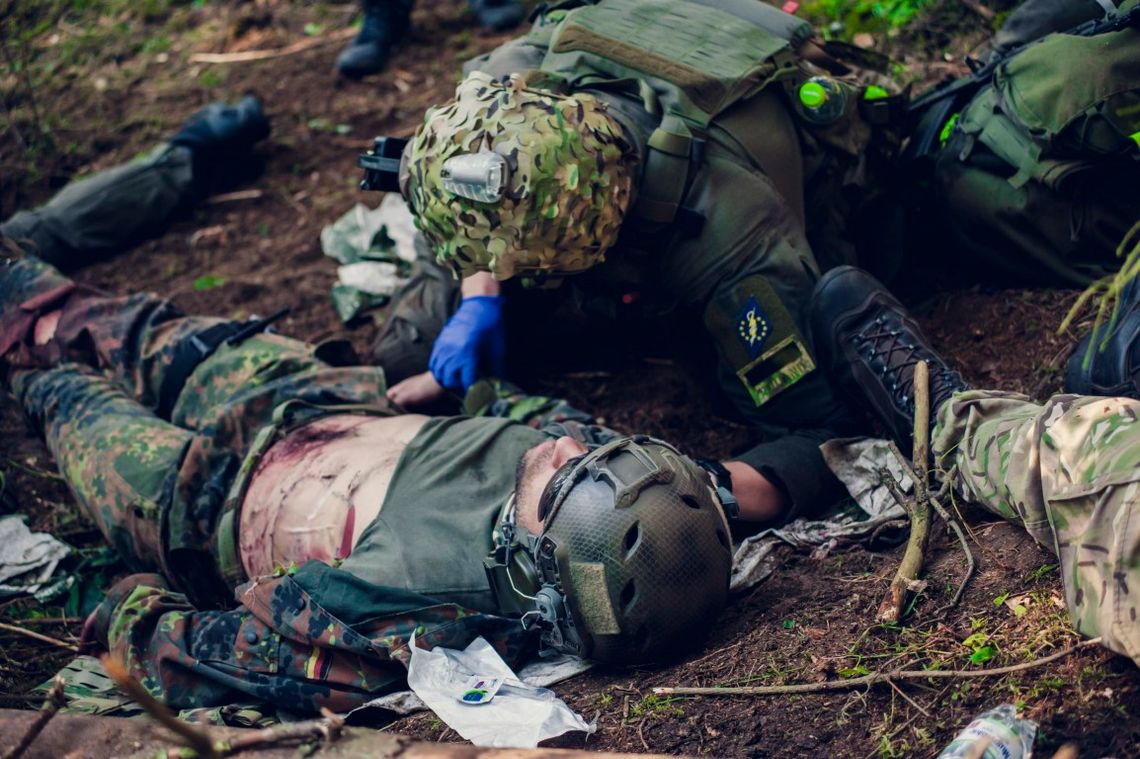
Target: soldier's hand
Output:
[(417, 390), (472, 344), (89, 642)]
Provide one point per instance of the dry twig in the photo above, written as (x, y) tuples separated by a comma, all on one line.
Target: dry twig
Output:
[(328, 728), (873, 678), (261, 55), (38, 636), (981, 10), (971, 564), (917, 506), (52, 621), (195, 737), (229, 197), (53, 703)]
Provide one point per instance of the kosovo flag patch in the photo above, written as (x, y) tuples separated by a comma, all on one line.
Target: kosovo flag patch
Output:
[(753, 327)]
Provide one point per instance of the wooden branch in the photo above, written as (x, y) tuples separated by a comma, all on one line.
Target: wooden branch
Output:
[(52, 621), (196, 738), (327, 728), (917, 506), (261, 55), (981, 10), (921, 456), (229, 197), (874, 678), (39, 636), (971, 565), (52, 704)]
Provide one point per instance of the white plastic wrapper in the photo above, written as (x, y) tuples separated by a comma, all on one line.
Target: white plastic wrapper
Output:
[(372, 277), (27, 559), (517, 716)]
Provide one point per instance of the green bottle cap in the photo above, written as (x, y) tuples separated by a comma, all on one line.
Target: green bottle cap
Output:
[(947, 128), (812, 94), (875, 92)]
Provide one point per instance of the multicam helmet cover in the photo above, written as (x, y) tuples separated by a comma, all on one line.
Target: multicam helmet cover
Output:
[(567, 184)]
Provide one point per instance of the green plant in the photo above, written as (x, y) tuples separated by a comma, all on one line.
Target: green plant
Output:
[(855, 16), (208, 282)]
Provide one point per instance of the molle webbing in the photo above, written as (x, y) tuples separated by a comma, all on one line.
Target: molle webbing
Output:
[(698, 59), (686, 61), (1049, 124)]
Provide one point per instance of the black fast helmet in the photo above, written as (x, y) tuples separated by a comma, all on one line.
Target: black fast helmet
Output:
[(633, 562)]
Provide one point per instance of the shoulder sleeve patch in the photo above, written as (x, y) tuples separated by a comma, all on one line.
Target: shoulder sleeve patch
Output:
[(758, 338)]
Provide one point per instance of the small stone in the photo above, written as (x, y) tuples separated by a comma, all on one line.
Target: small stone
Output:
[(864, 40)]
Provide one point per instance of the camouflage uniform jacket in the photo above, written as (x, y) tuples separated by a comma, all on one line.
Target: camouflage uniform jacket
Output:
[(311, 636)]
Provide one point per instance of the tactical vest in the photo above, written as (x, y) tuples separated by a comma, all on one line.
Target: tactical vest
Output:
[(1040, 173), (688, 61), (673, 72)]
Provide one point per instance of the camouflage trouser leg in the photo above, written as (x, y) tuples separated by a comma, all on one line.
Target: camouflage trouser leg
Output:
[(119, 460), (107, 212), (1069, 471), (156, 487)]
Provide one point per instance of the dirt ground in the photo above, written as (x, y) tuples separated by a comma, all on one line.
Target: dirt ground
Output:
[(88, 85)]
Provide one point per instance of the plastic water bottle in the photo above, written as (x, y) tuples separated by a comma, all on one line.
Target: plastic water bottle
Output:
[(822, 100), (1008, 736)]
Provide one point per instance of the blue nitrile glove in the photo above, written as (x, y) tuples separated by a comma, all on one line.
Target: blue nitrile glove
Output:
[(474, 338)]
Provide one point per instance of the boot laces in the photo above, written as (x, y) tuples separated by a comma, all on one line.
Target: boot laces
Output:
[(892, 352)]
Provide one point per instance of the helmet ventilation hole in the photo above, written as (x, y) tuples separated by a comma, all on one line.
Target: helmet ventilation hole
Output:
[(632, 538), (628, 593), (691, 502)]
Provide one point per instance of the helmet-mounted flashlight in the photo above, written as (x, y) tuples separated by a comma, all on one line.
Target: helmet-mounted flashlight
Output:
[(476, 176)]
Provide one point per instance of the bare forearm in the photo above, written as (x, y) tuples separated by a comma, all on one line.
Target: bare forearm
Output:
[(759, 498), (480, 283)]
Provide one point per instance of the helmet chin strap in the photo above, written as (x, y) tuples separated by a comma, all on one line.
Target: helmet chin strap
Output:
[(523, 559)]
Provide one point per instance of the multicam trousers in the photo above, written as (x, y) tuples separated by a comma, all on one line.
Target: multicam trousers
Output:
[(1069, 471), (155, 485)]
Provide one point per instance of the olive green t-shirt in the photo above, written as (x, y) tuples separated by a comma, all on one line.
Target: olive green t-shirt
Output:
[(434, 528)]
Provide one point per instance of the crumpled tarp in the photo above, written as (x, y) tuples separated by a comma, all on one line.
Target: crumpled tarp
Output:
[(27, 559), (856, 462), (376, 248)]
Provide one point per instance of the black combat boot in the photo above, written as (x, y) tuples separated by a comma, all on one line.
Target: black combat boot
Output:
[(221, 138), (498, 15), (385, 23), (1114, 371), (869, 346)]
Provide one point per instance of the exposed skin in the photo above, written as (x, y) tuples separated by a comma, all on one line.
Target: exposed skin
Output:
[(417, 390), (760, 500), (537, 468)]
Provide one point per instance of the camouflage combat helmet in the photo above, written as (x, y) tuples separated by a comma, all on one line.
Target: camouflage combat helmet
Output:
[(514, 180), (634, 558)]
